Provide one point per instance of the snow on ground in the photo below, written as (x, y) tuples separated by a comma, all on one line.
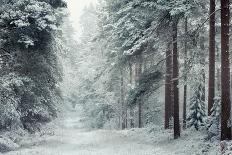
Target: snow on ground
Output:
[(70, 138), (190, 143)]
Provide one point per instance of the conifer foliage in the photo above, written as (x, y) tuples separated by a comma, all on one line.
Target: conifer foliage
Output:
[(197, 115), (30, 69), (213, 124)]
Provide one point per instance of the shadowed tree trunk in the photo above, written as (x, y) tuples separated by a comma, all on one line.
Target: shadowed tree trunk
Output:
[(131, 108), (218, 80), (225, 71), (122, 99), (140, 112), (168, 87), (139, 72), (202, 62), (175, 76), (211, 82), (185, 76)]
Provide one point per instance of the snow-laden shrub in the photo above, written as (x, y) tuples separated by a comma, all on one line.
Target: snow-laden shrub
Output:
[(226, 147), (152, 110), (151, 128), (7, 145), (99, 116), (37, 110), (11, 86), (21, 107), (213, 121), (113, 123), (196, 116), (9, 116), (94, 116)]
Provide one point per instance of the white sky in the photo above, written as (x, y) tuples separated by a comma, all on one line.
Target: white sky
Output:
[(76, 8)]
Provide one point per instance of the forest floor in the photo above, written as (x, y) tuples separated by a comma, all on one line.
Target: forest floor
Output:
[(70, 138)]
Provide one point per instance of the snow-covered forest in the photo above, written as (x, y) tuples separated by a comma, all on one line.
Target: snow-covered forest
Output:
[(115, 77)]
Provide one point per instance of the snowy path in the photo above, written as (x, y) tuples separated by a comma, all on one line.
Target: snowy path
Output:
[(71, 139)]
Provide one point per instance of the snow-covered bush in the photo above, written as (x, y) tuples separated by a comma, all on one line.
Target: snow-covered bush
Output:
[(20, 107), (226, 147), (30, 74), (213, 122), (153, 110), (112, 124), (196, 116), (7, 145), (97, 115), (11, 88)]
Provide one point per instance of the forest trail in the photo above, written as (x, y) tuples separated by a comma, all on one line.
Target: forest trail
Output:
[(72, 139)]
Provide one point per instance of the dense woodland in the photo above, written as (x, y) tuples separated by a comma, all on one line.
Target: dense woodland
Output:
[(158, 62), (136, 64), (30, 70)]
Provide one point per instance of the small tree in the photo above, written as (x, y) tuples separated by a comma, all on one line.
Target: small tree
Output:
[(213, 125), (196, 117)]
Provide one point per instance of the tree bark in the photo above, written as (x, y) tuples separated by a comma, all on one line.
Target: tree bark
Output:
[(175, 76), (218, 73), (122, 99), (168, 87), (140, 98), (131, 108), (225, 71), (202, 63), (218, 81), (211, 82), (185, 76), (140, 113)]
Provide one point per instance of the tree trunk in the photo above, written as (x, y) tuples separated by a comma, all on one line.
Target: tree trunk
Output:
[(140, 113), (138, 71), (132, 124), (126, 118), (185, 76), (211, 82), (202, 63), (131, 108), (218, 81), (175, 76), (225, 71), (122, 99), (168, 87), (218, 74), (140, 98)]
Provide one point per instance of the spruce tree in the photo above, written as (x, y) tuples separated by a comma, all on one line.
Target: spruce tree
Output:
[(196, 117), (213, 125)]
